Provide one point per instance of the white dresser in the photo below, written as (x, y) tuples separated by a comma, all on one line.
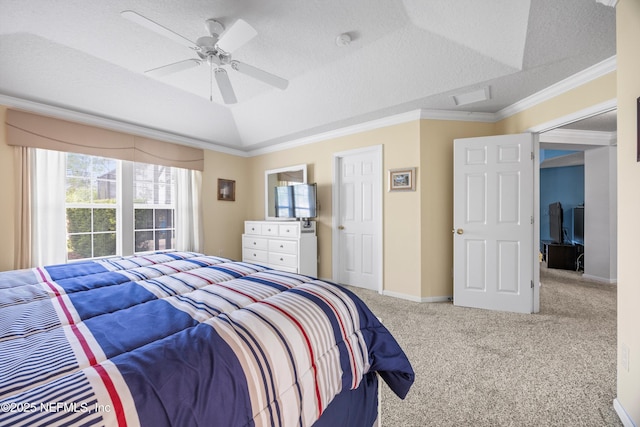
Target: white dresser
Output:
[(283, 245)]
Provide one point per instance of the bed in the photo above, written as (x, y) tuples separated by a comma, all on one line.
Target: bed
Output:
[(185, 339)]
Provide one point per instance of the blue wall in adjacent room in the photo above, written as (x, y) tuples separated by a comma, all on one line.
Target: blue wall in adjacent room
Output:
[(549, 154), (564, 185)]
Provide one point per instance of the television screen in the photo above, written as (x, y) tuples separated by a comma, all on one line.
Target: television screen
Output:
[(555, 222), (284, 201), (304, 200)]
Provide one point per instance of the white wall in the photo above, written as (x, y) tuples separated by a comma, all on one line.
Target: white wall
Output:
[(600, 222)]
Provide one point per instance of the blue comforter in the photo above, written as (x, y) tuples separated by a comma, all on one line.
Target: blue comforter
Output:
[(183, 339)]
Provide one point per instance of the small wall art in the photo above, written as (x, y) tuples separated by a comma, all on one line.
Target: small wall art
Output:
[(402, 179), (226, 190)]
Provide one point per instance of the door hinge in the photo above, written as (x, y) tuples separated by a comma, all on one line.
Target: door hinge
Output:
[(532, 284), (533, 156), (531, 219)]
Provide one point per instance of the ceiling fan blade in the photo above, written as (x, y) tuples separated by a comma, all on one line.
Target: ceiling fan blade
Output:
[(259, 74), (224, 84), (154, 26), (173, 68), (239, 33)]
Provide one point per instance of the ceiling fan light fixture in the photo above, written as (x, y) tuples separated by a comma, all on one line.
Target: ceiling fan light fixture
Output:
[(472, 97)]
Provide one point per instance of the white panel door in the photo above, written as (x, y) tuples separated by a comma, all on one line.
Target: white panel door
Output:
[(358, 218), (493, 223)]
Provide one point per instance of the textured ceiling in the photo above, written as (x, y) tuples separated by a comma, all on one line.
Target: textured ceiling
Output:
[(83, 56)]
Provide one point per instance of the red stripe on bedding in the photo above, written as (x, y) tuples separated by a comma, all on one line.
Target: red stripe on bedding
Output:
[(345, 338), (113, 394), (104, 375), (306, 337)]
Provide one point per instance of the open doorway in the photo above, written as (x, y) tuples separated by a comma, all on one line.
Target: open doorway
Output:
[(578, 177)]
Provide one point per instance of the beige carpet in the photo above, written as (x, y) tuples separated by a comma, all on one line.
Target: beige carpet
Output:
[(483, 368)]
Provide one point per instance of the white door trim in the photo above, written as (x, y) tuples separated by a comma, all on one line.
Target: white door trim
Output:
[(536, 221), (584, 113), (335, 237)]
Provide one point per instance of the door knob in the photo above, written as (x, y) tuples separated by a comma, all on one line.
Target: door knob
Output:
[(458, 231), (341, 227)]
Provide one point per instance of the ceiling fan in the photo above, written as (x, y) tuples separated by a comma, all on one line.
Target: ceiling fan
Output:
[(215, 50)]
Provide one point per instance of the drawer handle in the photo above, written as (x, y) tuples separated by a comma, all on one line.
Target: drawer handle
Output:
[(268, 229), (288, 231), (255, 255), (254, 243), (282, 246), (281, 259)]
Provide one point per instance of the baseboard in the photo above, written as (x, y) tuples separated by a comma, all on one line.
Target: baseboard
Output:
[(599, 279), (399, 295), (415, 298), (622, 414)]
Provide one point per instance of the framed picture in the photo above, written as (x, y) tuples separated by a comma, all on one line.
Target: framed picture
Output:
[(226, 190), (402, 179)]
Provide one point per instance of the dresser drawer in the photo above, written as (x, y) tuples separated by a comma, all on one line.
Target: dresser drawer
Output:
[(253, 242), (285, 260), (283, 246), (289, 230), (250, 255), (269, 229), (252, 227)]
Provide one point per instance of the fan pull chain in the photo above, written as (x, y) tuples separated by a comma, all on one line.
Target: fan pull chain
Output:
[(211, 84)]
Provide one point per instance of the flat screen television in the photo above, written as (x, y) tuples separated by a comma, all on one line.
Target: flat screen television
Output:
[(304, 200), (555, 222), (296, 201)]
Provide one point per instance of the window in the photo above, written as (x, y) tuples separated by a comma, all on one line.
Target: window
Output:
[(91, 206), (154, 209), (115, 207)]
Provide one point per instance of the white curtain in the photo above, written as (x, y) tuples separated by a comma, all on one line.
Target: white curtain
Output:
[(48, 220), (189, 234)]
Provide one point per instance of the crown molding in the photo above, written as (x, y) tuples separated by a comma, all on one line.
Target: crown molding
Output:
[(585, 76), (582, 137), (598, 70), (410, 116), (337, 133), (112, 124)]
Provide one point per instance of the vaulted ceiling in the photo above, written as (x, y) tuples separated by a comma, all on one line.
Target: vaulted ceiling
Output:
[(83, 56)]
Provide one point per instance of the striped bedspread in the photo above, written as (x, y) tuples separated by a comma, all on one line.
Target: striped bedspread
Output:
[(183, 339)]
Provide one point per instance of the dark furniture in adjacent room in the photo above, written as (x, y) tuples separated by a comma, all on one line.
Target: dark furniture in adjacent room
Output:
[(560, 256), (559, 251)]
